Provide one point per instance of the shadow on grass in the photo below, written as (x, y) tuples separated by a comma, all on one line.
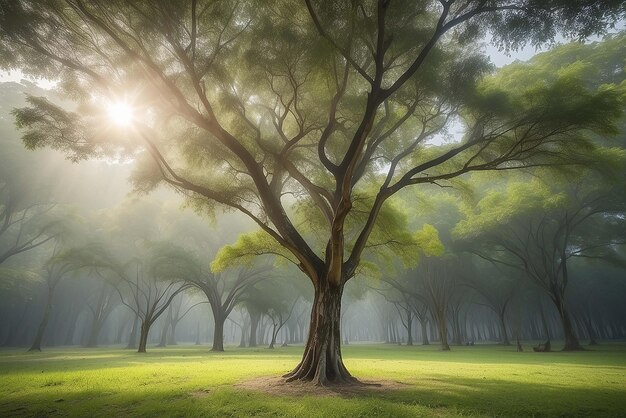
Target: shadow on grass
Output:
[(435, 396)]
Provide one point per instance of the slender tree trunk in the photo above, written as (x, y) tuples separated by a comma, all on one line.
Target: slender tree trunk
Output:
[(143, 337), (424, 327), (254, 325), (292, 332), (274, 333), (409, 327), (544, 322), (198, 333), (69, 336), (218, 332), (242, 341), (171, 339), (504, 338), (442, 327), (120, 332), (166, 327), (321, 362), (132, 339), (590, 330), (92, 341), (36, 345), (11, 337)]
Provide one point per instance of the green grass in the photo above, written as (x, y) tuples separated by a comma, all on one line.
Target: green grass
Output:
[(191, 381)]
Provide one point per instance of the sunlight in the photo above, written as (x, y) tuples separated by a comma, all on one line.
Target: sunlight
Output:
[(120, 113)]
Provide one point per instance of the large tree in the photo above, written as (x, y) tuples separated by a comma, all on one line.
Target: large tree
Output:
[(251, 105)]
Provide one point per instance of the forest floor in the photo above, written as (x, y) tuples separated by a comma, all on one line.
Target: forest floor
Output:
[(416, 381)]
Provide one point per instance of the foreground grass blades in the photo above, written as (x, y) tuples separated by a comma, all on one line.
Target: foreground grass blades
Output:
[(191, 381)]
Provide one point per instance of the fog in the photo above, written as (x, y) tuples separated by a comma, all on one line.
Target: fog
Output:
[(89, 260)]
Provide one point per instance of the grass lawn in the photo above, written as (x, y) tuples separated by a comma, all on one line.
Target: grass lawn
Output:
[(191, 381)]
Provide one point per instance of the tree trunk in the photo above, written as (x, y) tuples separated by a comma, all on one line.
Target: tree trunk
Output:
[(424, 327), (36, 345), (198, 333), (274, 333), (590, 330), (544, 321), (143, 337), (443, 331), (163, 339), (166, 327), (409, 327), (242, 341), (571, 340), (321, 362), (132, 339), (218, 333), (17, 327), (69, 336), (171, 339), (254, 324), (92, 341), (504, 339)]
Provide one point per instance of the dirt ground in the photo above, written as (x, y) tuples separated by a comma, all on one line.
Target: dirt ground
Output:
[(276, 385)]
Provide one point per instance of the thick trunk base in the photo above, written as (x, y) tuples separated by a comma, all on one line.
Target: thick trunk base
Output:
[(218, 335), (573, 347), (571, 340), (143, 338), (322, 364)]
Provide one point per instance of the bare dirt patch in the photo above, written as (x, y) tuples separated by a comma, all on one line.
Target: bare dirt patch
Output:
[(276, 385)]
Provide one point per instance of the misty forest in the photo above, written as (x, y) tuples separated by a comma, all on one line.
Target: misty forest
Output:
[(312, 208)]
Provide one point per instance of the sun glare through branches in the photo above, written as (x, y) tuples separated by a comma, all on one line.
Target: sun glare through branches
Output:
[(120, 113)]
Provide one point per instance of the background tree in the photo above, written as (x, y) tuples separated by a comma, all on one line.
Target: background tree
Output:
[(61, 263), (537, 229), (148, 283), (497, 287), (27, 218), (100, 305)]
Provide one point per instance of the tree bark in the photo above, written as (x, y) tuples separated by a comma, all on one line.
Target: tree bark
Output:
[(442, 328), (409, 327), (69, 335), (242, 341), (92, 341), (424, 328), (254, 325), (166, 327), (120, 332), (504, 338), (36, 345), (132, 339), (218, 333), (571, 340), (143, 337), (171, 339), (198, 333), (590, 330), (321, 362), (273, 339)]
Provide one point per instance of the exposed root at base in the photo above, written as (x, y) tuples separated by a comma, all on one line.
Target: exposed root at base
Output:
[(276, 385)]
